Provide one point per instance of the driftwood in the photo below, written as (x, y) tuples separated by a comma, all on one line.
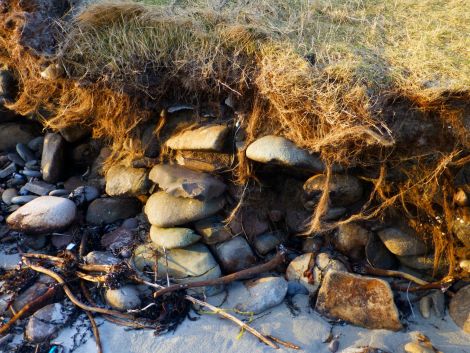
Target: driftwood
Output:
[(374, 271)]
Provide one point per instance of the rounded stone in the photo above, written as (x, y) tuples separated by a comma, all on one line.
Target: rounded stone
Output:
[(265, 293), (8, 195), (171, 238), (44, 214), (459, 308), (126, 181), (123, 298), (402, 242), (343, 189)]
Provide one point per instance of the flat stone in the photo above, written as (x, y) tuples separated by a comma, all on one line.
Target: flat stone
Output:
[(13, 133), (45, 214), (171, 238), (123, 298), (7, 171), (265, 293), (16, 158), (61, 241), (362, 301), (235, 254), (100, 258), (25, 153), (111, 209), (213, 231), (74, 133), (8, 194), (192, 261), (279, 150), (459, 308), (39, 187), (183, 182), (38, 288), (164, 210), (118, 239), (351, 239), (36, 144), (46, 322), (264, 243), (296, 272), (205, 138), (126, 181), (344, 190), (402, 241), (249, 222), (52, 161)]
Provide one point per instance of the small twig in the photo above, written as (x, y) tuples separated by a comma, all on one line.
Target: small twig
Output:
[(441, 285), (283, 343), (43, 257), (244, 274)]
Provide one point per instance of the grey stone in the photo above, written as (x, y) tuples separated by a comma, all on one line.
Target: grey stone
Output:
[(14, 133), (170, 238), (249, 222), (100, 258), (213, 231), (38, 288), (36, 144), (402, 241), (205, 138), (24, 152), (294, 288), (84, 194), (16, 158), (7, 171), (23, 199), (39, 187), (46, 322), (164, 210), (8, 194), (183, 182), (362, 301), (267, 242), (265, 293), (425, 305), (378, 255), (351, 240), (279, 150), (61, 241), (59, 192), (123, 298), (118, 239), (235, 254), (45, 214), (108, 210), (344, 190), (150, 142), (459, 308), (74, 133), (126, 181), (35, 242), (130, 223), (52, 161), (32, 173)]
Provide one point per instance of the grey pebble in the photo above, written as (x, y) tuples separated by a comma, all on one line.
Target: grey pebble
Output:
[(15, 158), (36, 143), (8, 195), (333, 346), (32, 173), (25, 153), (59, 192), (21, 200), (7, 171)]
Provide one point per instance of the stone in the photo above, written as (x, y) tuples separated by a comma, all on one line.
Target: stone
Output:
[(100, 258), (7, 171), (130, 223), (213, 273), (425, 305), (171, 238), (297, 220), (235, 254), (461, 226), (351, 239), (344, 190), (13, 133), (249, 222), (52, 161), (36, 144), (16, 158), (296, 272), (164, 210), (46, 322), (294, 288), (213, 231), (118, 239), (205, 138), (203, 161), (192, 261), (438, 303), (123, 298), (362, 301), (402, 241), (45, 214), (459, 308), (8, 194), (265, 293), (126, 181), (416, 347), (29, 294), (74, 133), (378, 255), (39, 187), (25, 153), (84, 194), (264, 243), (179, 181), (279, 150), (111, 209), (61, 241), (24, 199), (150, 142), (422, 262), (462, 197), (35, 242)]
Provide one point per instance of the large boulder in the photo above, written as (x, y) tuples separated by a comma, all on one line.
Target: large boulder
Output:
[(183, 182), (343, 189), (279, 150), (164, 210), (45, 214), (205, 138), (362, 301), (127, 181), (459, 308), (52, 161), (110, 209), (171, 238)]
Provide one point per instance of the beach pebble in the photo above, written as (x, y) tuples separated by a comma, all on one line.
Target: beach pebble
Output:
[(39, 187), (179, 181), (213, 230), (294, 288), (35, 242), (59, 192), (52, 160), (205, 138), (44, 214), (7, 171), (351, 240), (29, 294), (170, 238), (333, 345), (74, 133), (46, 322), (117, 239), (100, 258), (60, 241), (378, 255), (23, 199), (164, 210), (344, 190), (36, 144), (279, 150), (123, 298), (127, 181), (130, 223), (459, 308), (264, 243), (415, 347), (8, 195), (25, 153), (425, 305), (249, 222), (296, 272), (31, 173), (234, 254), (402, 241), (462, 198), (13, 133), (110, 209), (264, 293), (15, 158), (84, 194)]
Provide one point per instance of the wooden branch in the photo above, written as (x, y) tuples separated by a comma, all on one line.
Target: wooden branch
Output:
[(369, 270), (96, 332), (31, 307), (434, 285), (244, 274)]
